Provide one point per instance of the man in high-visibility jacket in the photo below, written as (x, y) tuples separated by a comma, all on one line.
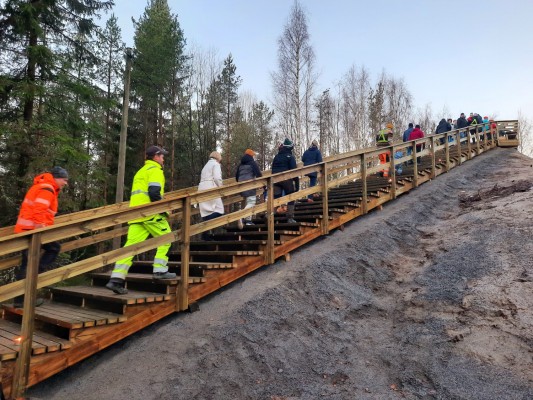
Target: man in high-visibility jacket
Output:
[(37, 211), (384, 138), (148, 186)]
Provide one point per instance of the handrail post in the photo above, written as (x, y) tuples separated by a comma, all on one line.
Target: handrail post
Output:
[(364, 186), (393, 173), (447, 152), (469, 144), (478, 149), (270, 256), (433, 156), (458, 140), (415, 165), (22, 365), (325, 203), (183, 292)]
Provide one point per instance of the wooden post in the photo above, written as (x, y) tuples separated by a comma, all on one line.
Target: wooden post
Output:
[(22, 365), (393, 173), (458, 140), (119, 196), (415, 166), (478, 150), (364, 187), (325, 205), (183, 294), (433, 155), (469, 144), (492, 137), (270, 256), (447, 152)]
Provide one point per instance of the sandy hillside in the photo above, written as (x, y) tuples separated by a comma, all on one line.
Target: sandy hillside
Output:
[(430, 298)]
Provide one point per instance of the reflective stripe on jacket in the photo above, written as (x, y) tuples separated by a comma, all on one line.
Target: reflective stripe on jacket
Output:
[(39, 205), (150, 175)]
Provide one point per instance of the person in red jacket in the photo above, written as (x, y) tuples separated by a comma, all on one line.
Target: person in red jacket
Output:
[(38, 210), (417, 134)]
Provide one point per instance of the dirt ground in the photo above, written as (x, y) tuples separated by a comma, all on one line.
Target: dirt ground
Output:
[(430, 298)]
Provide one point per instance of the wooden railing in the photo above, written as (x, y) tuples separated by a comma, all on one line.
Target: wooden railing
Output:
[(96, 226)]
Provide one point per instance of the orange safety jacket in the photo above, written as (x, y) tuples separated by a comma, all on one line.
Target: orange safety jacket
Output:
[(39, 205)]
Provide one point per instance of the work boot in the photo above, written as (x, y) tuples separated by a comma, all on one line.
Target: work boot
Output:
[(117, 286), (290, 214), (164, 275), (18, 302)]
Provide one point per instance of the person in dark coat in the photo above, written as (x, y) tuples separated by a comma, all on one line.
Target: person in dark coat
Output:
[(246, 171), (312, 156), (462, 123), (442, 127), (285, 161)]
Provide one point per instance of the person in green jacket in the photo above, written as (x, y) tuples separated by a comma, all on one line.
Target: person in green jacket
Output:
[(148, 186)]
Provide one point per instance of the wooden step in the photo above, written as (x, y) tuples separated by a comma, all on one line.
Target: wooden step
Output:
[(264, 227), (42, 342), (146, 278), (106, 295), (201, 264), (242, 235), (71, 317)]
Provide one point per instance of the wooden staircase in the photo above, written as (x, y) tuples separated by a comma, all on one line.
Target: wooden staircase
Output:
[(78, 321)]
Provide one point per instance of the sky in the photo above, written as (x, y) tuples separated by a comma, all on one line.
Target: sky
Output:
[(455, 55)]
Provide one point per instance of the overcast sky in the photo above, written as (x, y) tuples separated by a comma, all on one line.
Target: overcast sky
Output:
[(465, 55)]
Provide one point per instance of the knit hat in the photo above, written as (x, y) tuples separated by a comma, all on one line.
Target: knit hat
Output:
[(250, 152), (314, 143), (58, 172), (390, 126), (154, 150), (287, 143)]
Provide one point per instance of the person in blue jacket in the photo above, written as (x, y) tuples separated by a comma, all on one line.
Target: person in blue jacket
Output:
[(285, 161), (312, 156)]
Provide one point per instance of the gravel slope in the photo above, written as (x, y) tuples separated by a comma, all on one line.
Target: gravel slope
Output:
[(430, 298)]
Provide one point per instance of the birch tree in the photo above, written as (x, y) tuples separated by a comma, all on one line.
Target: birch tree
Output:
[(294, 81)]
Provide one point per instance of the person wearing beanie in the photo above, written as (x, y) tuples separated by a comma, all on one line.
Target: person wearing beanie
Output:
[(148, 186), (312, 156), (38, 210), (285, 161), (211, 177), (246, 171)]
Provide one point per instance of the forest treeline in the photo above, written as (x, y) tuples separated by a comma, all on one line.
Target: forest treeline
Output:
[(62, 88)]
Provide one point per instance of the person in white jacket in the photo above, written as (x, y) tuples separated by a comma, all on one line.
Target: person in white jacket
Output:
[(211, 177)]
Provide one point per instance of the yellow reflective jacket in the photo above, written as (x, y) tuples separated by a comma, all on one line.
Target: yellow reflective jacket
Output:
[(149, 176)]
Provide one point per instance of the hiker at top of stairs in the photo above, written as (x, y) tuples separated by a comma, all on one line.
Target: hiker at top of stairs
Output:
[(312, 156), (285, 161), (38, 209), (211, 177), (405, 138), (417, 134), (443, 127), (246, 171), (148, 186), (384, 138), (462, 123)]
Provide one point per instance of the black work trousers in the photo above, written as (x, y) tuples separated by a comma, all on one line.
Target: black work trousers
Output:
[(51, 250)]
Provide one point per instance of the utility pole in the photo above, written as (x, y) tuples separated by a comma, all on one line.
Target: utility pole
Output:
[(123, 136)]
